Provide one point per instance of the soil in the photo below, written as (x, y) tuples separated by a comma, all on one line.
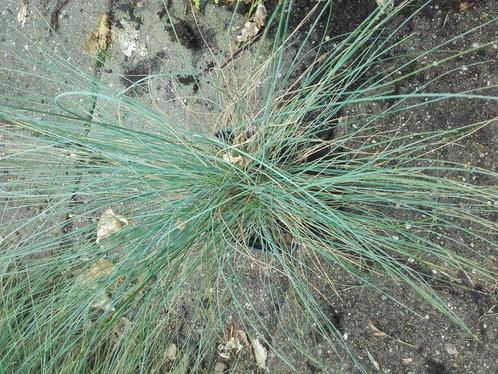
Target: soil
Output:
[(425, 342)]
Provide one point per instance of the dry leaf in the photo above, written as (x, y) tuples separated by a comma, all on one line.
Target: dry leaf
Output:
[(110, 223), (464, 5), (231, 347), (171, 352), (22, 15), (99, 269), (407, 360), (252, 27), (375, 330), (228, 157), (243, 336), (260, 15), (249, 31), (234, 344), (223, 352), (99, 40), (260, 353)]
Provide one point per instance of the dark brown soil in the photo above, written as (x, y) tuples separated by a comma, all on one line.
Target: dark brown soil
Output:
[(420, 340)]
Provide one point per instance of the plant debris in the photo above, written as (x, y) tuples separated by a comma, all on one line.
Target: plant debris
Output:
[(465, 5), (22, 15), (233, 345), (99, 40), (376, 332), (231, 159), (171, 352), (110, 223), (251, 28), (180, 225), (230, 348), (243, 336), (98, 270), (380, 334), (260, 353), (372, 359)]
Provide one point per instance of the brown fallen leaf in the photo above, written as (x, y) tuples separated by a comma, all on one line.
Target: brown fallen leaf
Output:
[(243, 336), (251, 28), (22, 15), (376, 332), (110, 223), (99, 40)]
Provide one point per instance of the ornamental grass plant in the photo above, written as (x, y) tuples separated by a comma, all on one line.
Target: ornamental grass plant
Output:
[(116, 227)]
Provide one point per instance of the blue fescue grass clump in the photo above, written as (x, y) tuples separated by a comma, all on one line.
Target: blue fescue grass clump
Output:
[(187, 207)]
